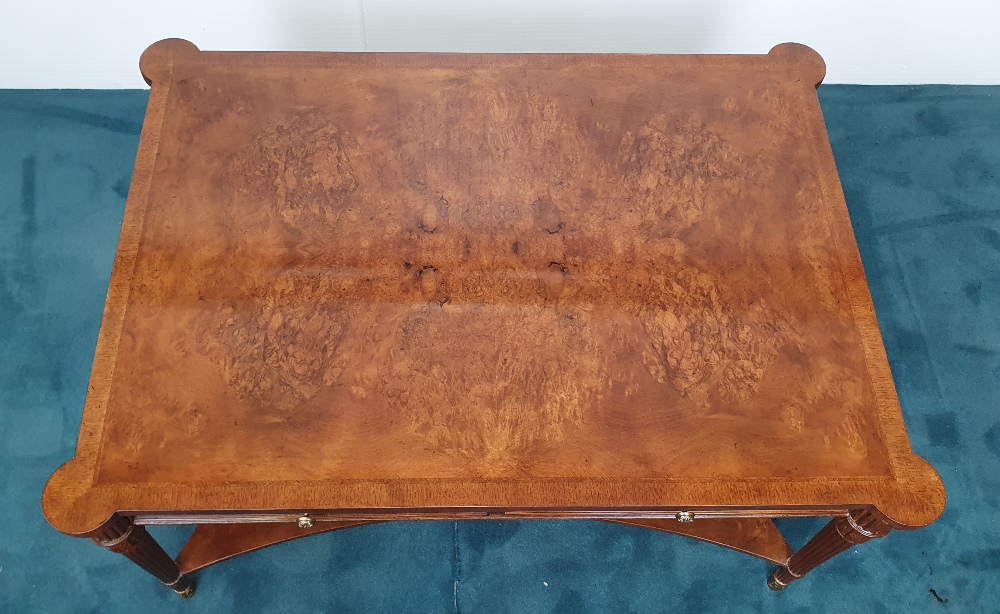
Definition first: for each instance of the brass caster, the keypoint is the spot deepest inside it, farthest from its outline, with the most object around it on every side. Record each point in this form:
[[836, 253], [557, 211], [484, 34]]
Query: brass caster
[[184, 587], [774, 584]]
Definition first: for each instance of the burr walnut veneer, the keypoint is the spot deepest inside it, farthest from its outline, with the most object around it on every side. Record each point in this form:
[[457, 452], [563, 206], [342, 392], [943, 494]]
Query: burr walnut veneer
[[354, 288]]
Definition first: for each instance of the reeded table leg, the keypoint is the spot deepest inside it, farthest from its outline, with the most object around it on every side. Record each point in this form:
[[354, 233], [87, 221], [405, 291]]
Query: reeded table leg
[[841, 534], [133, 542]]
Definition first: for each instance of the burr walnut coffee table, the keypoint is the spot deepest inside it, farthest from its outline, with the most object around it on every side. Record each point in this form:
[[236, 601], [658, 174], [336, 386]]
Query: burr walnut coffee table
[[356, 288]]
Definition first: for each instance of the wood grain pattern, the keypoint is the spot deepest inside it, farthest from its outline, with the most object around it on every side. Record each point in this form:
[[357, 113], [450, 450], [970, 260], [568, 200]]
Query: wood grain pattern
[[583, 246], [214, 543], [754, 536], [422, 285]]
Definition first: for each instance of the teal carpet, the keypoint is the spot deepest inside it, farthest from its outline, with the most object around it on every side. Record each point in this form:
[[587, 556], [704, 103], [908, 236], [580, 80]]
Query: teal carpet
[[921, 170]]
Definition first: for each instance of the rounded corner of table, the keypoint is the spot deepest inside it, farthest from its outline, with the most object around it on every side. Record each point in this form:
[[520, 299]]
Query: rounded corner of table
[[801, 58], [67, 504], [918, 496], [157, 60]]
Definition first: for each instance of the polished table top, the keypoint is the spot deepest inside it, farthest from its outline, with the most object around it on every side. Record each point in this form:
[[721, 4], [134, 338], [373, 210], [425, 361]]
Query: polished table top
[[530, 283]]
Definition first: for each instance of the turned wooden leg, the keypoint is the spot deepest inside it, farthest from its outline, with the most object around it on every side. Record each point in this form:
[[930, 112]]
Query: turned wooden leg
[[841, 534], [133, 542]]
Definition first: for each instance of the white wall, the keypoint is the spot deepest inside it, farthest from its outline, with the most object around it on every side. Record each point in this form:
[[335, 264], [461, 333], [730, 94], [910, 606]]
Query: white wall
[[96, 43]]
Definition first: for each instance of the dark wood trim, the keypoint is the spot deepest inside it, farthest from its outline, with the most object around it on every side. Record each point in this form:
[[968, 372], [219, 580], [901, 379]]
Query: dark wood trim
[[843, 533], [479, 513], [120, 534]]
